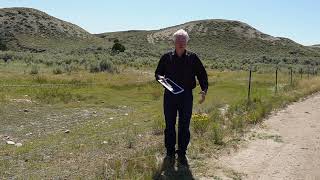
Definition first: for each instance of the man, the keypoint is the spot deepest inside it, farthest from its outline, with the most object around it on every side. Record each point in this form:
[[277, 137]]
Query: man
[[181, 66]]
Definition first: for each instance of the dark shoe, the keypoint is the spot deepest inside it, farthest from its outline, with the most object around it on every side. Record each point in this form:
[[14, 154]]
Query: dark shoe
[[171, 154], [182, 160], [167, 168], [168, 161]]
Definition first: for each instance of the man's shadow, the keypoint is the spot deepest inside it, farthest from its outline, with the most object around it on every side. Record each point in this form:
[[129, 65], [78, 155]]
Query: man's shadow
[[168, 170]]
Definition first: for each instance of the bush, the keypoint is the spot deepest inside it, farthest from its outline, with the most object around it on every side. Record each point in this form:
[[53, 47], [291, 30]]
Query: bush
[[200, 123], [3, 46], [217, 134], [34, 69], [107, 65], [238, 122], [117, 47], [57, 70], [104, 66], [94, 68]]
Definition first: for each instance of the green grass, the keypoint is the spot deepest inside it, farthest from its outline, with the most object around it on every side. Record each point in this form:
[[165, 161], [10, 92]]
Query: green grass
[[116, 121]]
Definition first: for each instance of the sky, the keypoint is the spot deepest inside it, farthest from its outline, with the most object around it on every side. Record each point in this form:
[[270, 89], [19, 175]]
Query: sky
[[294, 19]]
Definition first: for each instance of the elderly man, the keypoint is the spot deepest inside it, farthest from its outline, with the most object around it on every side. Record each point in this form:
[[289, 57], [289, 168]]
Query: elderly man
[[181, 66]]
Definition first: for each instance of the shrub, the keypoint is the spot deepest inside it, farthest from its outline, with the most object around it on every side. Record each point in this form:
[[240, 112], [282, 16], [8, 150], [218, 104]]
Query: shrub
[[238, 123], [216, 134], [94, 68], [34, 69], [57, 70], [3, 46], [200, 123], [107, 65], [104, 66], [117, 47]]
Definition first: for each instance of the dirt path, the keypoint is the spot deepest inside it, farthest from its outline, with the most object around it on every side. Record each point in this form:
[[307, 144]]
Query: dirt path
[[285, 146]]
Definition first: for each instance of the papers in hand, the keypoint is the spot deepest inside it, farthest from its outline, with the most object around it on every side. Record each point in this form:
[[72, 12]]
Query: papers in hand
[[170, 85]]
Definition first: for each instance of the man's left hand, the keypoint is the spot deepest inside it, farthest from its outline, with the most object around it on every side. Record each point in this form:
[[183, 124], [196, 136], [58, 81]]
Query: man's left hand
[[203, 97]]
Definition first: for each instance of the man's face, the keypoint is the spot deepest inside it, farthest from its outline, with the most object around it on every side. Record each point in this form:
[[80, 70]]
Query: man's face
[[180, 43]]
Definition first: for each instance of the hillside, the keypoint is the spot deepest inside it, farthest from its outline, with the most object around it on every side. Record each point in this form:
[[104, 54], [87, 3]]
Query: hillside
[[216, 38], [31, 21], [30, 29], [218, 42]]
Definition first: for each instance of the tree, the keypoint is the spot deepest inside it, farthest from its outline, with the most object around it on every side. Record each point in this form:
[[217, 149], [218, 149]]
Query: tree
[[117, 47]]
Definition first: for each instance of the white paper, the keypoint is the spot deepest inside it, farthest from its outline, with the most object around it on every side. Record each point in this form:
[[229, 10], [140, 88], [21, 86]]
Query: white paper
[[170, 85]]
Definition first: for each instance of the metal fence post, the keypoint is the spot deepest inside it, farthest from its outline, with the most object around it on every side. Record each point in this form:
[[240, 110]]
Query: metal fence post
[[291, 83], [276, 89], [249, 84]]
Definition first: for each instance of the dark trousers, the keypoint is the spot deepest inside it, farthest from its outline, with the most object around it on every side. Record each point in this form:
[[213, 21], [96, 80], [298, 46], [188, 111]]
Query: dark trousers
[[180, 104]]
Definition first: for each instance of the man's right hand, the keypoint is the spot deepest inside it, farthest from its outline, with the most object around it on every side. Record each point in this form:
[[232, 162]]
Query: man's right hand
[[161, 77], [203, 97]]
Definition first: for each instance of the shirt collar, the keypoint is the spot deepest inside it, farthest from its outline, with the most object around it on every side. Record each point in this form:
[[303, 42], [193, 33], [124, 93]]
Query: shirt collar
[[183, 55]]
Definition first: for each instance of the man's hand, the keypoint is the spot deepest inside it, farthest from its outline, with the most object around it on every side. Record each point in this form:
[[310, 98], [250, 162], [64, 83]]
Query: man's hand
[[161, 77], [203, 97]]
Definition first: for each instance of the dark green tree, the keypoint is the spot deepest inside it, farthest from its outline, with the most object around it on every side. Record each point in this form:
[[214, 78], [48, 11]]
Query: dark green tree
[[117, 46]]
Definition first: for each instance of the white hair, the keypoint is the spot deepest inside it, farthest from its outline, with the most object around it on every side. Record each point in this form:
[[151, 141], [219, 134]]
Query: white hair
[[181, 32]]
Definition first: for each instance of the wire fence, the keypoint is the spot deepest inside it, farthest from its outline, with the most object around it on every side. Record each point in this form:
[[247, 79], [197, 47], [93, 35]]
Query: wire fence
[[293, 72]]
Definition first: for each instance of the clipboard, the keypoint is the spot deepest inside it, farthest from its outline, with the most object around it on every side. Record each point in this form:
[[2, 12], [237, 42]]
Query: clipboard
[[170, 85]]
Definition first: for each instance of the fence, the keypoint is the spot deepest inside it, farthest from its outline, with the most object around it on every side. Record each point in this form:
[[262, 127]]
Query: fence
[[308, 71]]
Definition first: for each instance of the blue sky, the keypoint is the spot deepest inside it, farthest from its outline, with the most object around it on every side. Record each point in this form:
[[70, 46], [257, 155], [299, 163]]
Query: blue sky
[[294, 19]]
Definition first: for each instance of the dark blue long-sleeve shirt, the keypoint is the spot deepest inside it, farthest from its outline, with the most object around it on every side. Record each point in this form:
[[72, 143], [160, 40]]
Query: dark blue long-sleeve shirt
[[183, 70]]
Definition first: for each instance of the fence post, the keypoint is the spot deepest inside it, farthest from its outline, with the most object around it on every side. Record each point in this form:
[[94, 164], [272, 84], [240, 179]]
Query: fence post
[[291, 83], [301, 71], [276, 89], [249, 84]]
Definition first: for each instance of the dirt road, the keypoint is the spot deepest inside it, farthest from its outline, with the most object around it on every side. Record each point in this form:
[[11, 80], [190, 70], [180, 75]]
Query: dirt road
[[285, 146]]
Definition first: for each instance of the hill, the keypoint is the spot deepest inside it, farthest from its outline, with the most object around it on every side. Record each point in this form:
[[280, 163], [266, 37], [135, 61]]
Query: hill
[[31, 29], [221, 44], [218, 42]]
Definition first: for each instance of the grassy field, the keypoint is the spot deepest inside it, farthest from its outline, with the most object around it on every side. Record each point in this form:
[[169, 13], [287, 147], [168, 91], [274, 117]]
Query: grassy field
[[78, 109], [101, 125]]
